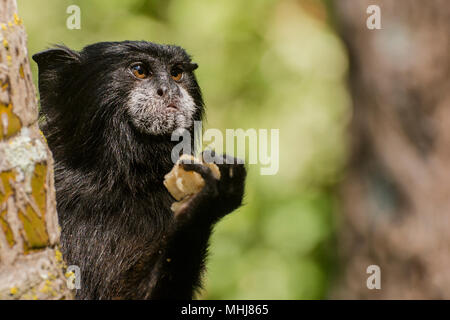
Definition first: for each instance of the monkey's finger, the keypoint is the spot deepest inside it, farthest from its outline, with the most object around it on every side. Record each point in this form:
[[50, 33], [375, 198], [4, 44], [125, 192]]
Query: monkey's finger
[[204, 171], [210, 187], [210, 156], [232, 167]]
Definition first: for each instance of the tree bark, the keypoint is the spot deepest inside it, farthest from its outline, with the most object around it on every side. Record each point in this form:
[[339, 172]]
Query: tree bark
[[31, 266], [397, 191]]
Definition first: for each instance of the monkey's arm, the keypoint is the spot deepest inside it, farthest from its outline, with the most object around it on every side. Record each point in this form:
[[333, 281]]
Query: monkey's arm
[[182, 257]]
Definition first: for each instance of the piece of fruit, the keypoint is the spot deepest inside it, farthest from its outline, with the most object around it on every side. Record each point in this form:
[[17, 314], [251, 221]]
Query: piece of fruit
[[182, 184]]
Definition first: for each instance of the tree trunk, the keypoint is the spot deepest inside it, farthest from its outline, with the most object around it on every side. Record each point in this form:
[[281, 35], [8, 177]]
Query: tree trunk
[[31, 266], [397, 192]]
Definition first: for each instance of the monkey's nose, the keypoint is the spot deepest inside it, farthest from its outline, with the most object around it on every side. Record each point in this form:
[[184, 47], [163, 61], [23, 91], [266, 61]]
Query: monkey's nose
[[162, 91]]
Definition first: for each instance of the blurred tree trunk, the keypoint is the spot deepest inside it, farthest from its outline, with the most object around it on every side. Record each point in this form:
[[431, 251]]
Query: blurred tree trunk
[[31, 267], [397, 191]]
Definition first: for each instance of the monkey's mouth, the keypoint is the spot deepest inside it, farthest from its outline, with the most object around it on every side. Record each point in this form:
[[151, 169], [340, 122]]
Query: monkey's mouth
[[172, 108]]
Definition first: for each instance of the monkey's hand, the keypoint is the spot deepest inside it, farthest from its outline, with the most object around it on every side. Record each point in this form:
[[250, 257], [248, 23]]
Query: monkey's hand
[[218, 197], [183, 249]]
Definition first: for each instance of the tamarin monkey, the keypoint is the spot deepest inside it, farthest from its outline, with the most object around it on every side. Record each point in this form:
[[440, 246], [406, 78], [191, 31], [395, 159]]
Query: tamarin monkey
[[108, 114]]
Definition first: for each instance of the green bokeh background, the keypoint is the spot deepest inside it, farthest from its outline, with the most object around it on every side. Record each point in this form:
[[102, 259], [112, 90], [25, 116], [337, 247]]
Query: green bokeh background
[[264, 64]]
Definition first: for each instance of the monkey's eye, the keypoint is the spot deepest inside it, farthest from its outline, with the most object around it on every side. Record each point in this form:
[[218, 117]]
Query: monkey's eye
[[176, 73], [139, 71]]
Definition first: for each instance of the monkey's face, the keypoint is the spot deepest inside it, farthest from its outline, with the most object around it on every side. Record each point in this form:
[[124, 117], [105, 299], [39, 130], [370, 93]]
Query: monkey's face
[[151, 87], [158, 101]]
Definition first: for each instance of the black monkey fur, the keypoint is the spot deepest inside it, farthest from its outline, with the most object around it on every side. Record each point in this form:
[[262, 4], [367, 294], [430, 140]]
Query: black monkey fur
[[110, 162]]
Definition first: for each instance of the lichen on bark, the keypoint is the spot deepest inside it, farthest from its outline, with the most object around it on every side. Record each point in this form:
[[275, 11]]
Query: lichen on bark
[[31, 265]]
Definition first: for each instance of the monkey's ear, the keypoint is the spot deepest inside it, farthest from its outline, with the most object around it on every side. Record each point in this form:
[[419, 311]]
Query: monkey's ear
[[194, 66], [56, 57], [56, 68]]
